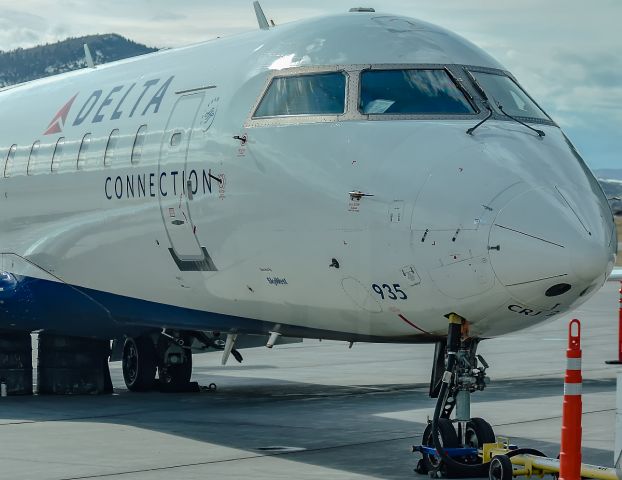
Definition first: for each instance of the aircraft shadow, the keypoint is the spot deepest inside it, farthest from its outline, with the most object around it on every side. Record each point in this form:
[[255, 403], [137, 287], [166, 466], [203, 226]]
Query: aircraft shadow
[[339, 427]]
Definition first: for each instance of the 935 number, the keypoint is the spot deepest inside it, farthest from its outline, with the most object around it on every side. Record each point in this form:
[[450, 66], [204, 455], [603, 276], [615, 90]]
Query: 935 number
[[390, 292]]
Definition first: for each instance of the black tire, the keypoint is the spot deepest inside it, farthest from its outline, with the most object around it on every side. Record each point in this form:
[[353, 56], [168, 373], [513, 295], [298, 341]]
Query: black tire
[[69, 381], [479, 432], [18, 381], [58, 343], [16, 360], [176, 378], [86, 359], [139, 364], [500, 468], [11, 342], [449, 439]]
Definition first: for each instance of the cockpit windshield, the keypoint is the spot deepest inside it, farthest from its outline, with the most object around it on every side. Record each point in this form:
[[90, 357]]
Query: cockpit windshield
[[339, 93], [309, 94], [502, 90], [411, 92]]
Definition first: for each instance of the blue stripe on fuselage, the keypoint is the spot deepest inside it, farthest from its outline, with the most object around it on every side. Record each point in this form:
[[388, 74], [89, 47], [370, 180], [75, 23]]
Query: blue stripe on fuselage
[[35, 304]]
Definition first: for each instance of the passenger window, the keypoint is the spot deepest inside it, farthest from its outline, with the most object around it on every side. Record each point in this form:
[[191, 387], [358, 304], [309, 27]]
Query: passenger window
[[10, 158], [175, 139], [139, 141], [504, 91], [111, 146], [313, 94], [58, 153], [32, 158], [411, 92], [84, 150]]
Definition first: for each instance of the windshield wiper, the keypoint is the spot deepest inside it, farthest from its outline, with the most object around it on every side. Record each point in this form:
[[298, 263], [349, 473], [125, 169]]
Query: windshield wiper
[[539, 132], [486, 102], [481, 91], [478, 87], [459, 84], [472, 129]]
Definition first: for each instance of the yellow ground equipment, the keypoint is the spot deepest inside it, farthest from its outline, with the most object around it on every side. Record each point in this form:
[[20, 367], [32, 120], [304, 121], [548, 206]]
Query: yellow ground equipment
[[505, 466]]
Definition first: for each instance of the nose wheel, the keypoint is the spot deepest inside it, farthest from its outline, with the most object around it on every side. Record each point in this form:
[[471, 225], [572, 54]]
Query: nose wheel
[[448, 437], [478, 432]]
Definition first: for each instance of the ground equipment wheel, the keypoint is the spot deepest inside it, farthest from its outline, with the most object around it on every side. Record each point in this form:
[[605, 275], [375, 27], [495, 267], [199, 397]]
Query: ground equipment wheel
[[448, 437], [500, 468], [139, 363], [479, 432], [176, 378]]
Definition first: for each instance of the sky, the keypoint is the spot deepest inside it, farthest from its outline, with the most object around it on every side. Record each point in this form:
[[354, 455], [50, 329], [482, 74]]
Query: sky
[[566, 53]]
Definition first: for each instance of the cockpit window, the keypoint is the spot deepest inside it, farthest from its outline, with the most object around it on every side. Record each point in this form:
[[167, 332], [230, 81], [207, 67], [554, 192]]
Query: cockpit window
[[502, 90], [312, 94], [411, 92]]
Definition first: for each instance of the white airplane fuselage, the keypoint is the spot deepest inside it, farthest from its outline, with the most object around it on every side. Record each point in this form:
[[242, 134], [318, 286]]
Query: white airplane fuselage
[[338, 226]]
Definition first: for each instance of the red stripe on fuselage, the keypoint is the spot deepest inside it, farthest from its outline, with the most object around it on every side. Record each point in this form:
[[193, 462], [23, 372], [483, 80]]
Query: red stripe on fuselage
[[412, 324]]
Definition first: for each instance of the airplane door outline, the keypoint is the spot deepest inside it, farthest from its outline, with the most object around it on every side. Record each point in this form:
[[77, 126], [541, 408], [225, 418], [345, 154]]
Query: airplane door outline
[[185, 249]]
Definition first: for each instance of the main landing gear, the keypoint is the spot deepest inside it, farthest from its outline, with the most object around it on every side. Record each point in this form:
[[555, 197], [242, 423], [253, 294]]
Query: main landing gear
[[168, 355], [458, 371]]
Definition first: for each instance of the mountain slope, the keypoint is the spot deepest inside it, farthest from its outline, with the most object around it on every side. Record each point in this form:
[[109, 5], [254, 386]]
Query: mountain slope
[[23, 65]]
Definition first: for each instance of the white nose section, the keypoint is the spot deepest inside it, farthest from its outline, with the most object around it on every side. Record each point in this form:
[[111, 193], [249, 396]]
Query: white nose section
[[544, 252]]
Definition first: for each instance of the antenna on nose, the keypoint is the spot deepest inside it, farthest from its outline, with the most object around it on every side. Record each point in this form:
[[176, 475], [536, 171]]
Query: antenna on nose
[[261, 17]]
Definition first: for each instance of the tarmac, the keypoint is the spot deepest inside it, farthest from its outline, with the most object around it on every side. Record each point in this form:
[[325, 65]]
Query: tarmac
[[312, 410]]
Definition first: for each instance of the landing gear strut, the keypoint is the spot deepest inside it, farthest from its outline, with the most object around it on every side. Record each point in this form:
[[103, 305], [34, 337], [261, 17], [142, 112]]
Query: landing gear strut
[[464, 373]]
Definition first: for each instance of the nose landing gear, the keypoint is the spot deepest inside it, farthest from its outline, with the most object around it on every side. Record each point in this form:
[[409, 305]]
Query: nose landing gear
[[464, 373]]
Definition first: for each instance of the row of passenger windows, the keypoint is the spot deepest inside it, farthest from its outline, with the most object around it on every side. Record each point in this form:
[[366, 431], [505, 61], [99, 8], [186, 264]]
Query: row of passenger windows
[[49, 158], [412, 91]]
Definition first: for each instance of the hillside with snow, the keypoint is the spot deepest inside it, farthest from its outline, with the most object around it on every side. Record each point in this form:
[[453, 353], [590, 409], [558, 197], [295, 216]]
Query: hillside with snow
[[25, 64]]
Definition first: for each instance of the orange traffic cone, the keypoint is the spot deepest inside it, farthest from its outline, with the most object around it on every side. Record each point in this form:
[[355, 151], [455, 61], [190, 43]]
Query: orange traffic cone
[[570, 454], [619, 360]]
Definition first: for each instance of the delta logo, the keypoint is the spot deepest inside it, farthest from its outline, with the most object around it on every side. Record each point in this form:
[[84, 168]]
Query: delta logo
[[58, 122], [122, 101]]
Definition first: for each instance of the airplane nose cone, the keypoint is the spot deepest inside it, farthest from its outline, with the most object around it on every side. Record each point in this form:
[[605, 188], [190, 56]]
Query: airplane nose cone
[[546, 251]]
